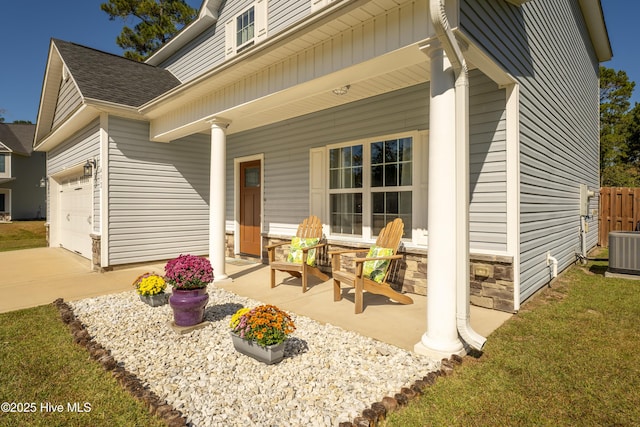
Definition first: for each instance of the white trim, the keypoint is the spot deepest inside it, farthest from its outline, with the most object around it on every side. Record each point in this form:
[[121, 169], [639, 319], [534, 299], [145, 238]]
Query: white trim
[[104, 190], [236, 198], [7, 202], [7, 165], [513, 184]]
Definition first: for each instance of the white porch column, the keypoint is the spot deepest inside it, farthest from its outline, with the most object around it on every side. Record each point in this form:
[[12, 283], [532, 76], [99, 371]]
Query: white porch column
[[441, 338], [217, 194]]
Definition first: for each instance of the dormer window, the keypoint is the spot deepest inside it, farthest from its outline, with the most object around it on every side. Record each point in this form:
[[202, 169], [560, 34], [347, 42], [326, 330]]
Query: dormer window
[[245, 24], [246, 28]]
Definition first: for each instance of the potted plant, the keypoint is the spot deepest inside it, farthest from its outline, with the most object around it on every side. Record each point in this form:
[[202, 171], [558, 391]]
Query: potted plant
[[261, 332], [150, 287], [189, 276]]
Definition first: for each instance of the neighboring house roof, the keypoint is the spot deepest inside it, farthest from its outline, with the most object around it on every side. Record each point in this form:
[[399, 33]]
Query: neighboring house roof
[[17, 137], [111, 78]]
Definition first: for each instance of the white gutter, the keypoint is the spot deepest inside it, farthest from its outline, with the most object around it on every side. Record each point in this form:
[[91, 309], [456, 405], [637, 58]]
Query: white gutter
[[454, 54]]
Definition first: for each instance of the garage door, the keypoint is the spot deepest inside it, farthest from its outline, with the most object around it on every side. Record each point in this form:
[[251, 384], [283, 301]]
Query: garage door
[[75, 215]]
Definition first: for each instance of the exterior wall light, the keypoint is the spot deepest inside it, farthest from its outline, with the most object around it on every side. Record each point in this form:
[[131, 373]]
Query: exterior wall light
[[89, 167]]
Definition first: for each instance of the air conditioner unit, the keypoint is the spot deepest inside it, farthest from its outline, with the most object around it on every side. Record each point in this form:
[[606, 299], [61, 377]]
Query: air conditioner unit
[[624, 252]]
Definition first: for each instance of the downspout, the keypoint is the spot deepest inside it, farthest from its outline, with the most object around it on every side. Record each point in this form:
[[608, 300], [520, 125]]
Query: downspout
[[454, 54], [554, 265]]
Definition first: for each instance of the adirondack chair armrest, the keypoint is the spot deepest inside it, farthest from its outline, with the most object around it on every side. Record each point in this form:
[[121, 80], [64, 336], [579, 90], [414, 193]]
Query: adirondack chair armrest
[[271, 249], [335, 256], [305, 251], [363, 260], [360, 262], [308, 248], [347, 251], [275, 245]]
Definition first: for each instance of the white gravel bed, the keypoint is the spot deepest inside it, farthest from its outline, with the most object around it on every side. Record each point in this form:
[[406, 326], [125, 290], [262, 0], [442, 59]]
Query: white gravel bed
[[329, 375]]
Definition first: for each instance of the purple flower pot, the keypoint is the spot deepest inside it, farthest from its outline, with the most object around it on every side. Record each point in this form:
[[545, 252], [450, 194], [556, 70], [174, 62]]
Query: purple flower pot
[[188, 306]]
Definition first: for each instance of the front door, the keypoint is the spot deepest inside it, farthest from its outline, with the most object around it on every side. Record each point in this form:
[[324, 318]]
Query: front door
[[250, 207]]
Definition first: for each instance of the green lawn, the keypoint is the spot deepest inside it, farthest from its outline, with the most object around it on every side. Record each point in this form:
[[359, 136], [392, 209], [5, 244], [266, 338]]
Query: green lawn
[[570, 357], [22, 235], [42, 368]]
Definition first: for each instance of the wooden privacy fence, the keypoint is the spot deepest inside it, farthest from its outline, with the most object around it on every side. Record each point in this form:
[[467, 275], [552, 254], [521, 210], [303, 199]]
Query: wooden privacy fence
[[619, 211]]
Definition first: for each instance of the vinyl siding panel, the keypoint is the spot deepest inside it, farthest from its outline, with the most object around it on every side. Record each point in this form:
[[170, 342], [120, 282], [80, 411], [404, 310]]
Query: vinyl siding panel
[[76, 151], [487, 165], [69, 99], [546, 47], [158, 195]]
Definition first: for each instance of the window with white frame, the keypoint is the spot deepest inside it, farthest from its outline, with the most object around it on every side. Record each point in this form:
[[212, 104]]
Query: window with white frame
[[245, 24], [370, 184], [5, 165], [247, 28]]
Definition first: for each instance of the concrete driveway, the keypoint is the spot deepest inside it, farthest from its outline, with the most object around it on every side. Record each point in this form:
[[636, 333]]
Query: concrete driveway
[[33, 277]]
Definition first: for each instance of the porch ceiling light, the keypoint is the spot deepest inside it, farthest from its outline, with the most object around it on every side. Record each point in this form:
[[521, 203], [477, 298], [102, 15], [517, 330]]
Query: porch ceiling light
[[341, 90], [88, 167]]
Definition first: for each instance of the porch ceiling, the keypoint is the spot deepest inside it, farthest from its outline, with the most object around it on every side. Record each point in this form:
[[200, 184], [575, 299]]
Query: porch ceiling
[[373, 78]]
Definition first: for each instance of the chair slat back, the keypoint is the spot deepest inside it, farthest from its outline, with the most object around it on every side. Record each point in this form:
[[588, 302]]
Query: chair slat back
[[309, 228], [391, 235]]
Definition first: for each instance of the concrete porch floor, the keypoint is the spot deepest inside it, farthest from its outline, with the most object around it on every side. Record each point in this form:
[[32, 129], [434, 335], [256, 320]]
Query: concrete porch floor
[[33, 277], [382, 319]]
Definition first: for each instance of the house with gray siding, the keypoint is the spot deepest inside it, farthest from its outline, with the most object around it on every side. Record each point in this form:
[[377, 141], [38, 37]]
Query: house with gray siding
[[476, 122], [22, 174]]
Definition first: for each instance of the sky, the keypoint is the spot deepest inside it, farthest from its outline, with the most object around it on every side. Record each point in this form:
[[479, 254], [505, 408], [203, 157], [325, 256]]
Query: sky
[[26, 28]]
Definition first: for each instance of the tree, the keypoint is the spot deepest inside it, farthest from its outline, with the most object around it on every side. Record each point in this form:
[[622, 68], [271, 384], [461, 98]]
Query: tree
[[615, 127], [633, 138], [159, 21], [1, 113]]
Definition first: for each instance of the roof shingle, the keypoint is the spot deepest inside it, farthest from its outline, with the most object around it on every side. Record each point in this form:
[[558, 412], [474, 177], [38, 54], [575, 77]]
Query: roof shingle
[[18, 137], [107, 77]]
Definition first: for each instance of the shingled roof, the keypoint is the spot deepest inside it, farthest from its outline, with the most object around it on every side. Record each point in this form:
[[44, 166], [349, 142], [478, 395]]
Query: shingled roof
[[107, 77], [17, 137]]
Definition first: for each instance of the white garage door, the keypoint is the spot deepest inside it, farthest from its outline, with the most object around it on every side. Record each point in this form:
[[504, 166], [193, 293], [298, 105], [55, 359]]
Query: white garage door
[[75, 215]]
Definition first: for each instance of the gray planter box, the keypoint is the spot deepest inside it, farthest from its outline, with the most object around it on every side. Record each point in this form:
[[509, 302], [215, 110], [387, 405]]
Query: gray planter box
[[269, 355]]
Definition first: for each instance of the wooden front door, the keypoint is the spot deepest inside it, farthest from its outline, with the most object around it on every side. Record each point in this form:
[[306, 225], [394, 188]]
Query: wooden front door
[[250, 206]]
